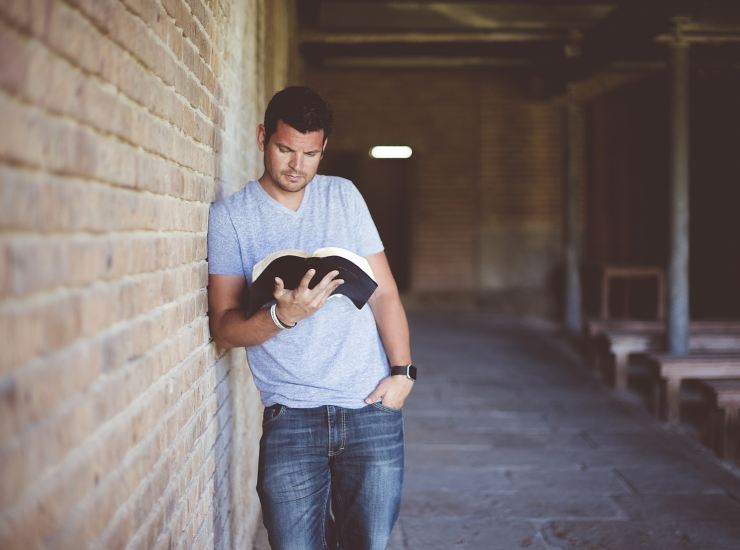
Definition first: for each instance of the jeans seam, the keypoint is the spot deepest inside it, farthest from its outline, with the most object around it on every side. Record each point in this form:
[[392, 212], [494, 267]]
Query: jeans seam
[[323, 518], [329, 436], [344, 431], [338, 526]]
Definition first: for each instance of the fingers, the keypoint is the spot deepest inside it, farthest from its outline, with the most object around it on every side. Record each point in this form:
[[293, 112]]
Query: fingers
[[325, 288], [377, 393], [330, 281], [304, 301], [303, 285], [326, 281], [328, 284], [373, 397], [392, 391]]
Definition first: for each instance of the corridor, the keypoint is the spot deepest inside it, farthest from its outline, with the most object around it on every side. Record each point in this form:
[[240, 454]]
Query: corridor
[[512, 443]]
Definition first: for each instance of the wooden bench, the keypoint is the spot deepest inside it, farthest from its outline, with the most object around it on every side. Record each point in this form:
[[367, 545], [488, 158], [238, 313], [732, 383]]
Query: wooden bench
[[625, 338], [671, 370], [620, 338], [621, 346], [723, 424], [594, 327]]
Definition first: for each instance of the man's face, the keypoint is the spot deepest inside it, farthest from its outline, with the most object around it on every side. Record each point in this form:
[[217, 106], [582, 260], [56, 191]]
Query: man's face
[[291, 158]]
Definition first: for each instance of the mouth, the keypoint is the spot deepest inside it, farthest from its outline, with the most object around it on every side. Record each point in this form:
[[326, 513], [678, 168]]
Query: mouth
[[293, 177]]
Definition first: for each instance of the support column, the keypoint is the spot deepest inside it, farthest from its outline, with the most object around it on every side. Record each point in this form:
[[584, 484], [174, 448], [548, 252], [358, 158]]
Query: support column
[[678, 268], [575, 143]]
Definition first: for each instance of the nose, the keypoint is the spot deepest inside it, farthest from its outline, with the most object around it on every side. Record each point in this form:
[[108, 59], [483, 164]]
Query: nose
[[296, 161]]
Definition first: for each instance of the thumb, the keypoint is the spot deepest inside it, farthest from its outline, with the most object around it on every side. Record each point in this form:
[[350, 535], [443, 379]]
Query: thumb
[[279, 288], [376, 395]]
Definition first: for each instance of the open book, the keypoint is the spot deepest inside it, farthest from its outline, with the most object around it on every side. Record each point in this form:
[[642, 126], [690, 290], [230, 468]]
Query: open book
[[291, 265]]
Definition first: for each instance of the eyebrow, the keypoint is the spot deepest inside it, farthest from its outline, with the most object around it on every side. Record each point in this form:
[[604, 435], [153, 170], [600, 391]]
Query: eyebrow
[[283, 146]]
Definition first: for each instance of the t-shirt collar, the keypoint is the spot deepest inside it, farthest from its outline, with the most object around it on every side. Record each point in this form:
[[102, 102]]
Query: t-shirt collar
[[281, 207]]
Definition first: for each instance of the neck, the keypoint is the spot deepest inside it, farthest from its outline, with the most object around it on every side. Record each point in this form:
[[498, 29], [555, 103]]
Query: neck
[[288, 199]]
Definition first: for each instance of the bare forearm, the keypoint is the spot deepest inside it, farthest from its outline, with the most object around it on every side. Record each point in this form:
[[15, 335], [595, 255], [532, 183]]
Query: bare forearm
[[393, 327], [234, 329], [230, 326]]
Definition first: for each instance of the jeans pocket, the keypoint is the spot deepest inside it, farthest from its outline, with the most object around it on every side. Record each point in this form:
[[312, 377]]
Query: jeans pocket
[[379, 405], [272, 413]]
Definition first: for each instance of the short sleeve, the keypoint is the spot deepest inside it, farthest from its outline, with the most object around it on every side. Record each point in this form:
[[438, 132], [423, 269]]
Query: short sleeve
[[368, 239], [224, 254]]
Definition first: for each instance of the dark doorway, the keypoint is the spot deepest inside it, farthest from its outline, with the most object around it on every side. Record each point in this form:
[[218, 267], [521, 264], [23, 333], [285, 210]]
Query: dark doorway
[[386, 186]]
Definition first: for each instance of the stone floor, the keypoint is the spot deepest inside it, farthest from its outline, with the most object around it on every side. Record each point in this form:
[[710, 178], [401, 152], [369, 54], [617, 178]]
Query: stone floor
[[512, 443]]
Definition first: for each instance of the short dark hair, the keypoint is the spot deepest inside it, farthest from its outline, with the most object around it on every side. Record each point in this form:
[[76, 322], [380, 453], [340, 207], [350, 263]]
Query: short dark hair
[[298, 107]]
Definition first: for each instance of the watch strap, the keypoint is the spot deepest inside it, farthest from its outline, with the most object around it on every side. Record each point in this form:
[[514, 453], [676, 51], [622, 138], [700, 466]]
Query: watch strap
[[409, 371]]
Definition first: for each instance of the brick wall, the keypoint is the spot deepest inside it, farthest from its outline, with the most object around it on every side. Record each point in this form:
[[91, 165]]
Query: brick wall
[[521, 192], [486, 200], [120, 422]]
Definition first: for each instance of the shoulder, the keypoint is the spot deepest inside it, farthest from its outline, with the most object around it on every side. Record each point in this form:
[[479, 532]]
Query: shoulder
[[230, 205], [332, 182], [336, 187]]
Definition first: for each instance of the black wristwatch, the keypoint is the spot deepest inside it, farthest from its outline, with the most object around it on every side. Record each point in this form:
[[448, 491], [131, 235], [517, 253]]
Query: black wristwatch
[[409, 371]]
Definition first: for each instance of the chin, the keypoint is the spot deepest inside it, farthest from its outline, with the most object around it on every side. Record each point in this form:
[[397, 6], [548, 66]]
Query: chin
[[293, 187]]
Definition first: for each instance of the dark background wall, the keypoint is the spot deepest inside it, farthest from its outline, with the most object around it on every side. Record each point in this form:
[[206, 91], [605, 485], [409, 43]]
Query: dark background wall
[[715, 193], [474, 216], [481, 194], [627, 215]]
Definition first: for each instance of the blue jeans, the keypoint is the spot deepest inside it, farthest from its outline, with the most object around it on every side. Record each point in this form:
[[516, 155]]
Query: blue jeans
[[330, 477]]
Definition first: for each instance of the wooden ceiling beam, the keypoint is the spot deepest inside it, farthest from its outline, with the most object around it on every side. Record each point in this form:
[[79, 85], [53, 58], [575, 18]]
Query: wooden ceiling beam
[[423, 62], [446, 16], [700, 38], [512, 35]]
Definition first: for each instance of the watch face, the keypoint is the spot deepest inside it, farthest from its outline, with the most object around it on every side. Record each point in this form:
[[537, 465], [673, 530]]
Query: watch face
[[411, 373]]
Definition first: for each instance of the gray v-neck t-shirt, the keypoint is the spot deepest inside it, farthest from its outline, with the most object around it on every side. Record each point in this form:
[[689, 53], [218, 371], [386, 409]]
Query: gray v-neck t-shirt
[[335, 356]]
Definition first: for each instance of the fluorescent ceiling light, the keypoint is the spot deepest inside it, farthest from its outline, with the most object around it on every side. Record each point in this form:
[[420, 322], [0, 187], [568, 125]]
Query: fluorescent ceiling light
[[391, 152]]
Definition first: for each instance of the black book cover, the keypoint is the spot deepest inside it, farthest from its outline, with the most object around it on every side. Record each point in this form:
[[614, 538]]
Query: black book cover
[[291, 265]]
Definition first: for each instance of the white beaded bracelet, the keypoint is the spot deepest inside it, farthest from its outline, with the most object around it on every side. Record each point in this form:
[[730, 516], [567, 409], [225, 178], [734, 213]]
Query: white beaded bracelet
[[275, 319]]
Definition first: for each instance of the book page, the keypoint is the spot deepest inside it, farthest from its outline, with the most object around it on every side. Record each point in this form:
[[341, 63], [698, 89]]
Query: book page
[[356, 259]]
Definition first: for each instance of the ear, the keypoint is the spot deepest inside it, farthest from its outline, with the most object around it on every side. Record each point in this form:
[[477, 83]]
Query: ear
[[323, 149], [261, 137]]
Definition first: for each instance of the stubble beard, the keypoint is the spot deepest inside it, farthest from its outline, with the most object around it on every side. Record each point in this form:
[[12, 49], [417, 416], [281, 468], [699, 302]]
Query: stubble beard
[[285, 185]]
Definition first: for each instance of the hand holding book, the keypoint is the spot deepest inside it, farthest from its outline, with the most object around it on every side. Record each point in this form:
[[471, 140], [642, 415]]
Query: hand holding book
[[301, 302], [291, 267]]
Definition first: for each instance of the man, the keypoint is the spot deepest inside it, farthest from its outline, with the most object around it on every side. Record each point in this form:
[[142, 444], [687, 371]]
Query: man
[[331, 453]]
